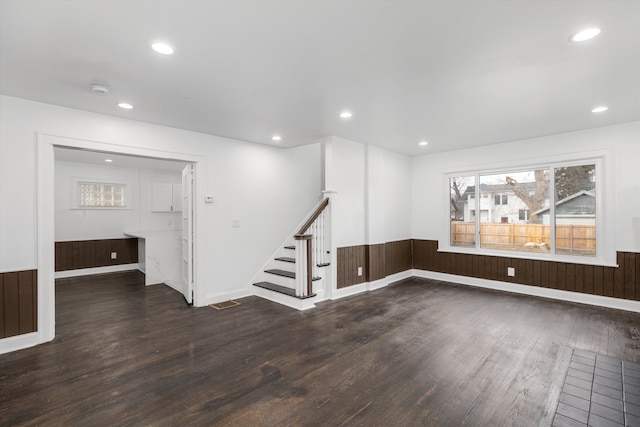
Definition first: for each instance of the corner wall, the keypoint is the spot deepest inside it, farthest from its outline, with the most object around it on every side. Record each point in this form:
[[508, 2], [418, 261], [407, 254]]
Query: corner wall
[[370, 216], [267, 189]]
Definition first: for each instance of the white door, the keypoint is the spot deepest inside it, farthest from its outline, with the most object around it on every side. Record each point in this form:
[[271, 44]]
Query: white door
[[187, 233]]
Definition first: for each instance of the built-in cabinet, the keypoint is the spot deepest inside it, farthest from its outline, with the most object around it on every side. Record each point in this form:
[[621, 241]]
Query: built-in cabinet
[[166, 197]]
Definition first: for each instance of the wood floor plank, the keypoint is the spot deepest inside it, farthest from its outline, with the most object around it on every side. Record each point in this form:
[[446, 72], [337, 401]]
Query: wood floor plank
[[419, 352]]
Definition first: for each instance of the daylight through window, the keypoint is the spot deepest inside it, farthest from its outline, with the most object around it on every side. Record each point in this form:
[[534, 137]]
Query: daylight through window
[[101, 195], [549, 210]]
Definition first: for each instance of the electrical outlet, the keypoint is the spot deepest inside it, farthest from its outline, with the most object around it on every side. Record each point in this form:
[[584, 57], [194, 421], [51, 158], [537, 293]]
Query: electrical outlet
[[359, 271], [511, 271], [114, 255]]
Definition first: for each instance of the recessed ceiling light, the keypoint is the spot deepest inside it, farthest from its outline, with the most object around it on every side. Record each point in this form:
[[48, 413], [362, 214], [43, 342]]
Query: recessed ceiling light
[[276, 137], [423, 143], [162, 48], [600, 109], [108, 160], [583, 35], [346, 114], [125, 105]]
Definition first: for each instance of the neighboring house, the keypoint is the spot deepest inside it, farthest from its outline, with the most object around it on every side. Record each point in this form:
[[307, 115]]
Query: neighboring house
[[577, 209], [498, 203]]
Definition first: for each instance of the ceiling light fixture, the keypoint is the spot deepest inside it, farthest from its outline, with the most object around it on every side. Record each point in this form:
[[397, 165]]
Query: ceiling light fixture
[[125, 106], [276, 137], [587, 34], [423, 143], [346, 114], [99, 89], [162, 48], [600, 109], [108, 160]]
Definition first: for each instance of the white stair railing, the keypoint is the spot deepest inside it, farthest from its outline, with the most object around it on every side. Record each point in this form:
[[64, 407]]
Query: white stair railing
[[311, 249]]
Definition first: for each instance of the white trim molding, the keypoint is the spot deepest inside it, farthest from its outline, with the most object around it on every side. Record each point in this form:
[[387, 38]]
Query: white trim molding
[[577, 297]]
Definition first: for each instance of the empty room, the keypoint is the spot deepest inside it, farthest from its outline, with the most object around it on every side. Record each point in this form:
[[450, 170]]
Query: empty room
[[319, 213]]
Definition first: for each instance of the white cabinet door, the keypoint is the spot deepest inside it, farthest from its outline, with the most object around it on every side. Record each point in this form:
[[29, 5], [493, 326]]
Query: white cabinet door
[[161, 197], [176, 200], [166, 197]]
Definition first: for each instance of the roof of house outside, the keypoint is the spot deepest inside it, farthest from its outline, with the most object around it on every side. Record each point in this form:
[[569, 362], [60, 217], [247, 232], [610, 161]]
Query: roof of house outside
[[497, 188], [580, 203]]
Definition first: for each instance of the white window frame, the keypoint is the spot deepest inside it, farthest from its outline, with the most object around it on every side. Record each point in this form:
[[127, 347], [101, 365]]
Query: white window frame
[[605, 229], [75, 193]]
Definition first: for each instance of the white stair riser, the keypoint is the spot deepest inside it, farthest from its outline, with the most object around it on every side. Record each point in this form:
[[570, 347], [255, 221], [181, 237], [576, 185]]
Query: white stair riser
[[286, 266], [280, 280]]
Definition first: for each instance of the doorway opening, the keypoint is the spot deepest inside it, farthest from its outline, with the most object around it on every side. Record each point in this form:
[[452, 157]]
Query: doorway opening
[[178, 225]]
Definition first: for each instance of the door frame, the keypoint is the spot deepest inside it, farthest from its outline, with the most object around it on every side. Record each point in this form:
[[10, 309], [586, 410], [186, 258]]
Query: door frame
[[46, 220]]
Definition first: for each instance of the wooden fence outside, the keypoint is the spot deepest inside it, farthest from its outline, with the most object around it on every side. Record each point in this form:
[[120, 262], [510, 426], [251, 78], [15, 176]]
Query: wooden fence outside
[[580, 239]]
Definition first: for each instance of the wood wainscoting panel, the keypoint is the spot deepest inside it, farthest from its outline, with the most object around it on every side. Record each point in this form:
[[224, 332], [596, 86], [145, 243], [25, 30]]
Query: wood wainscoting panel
[[618, 282], [376, 262], [18, 303], [398, 256], [74, 255], [349, 259]]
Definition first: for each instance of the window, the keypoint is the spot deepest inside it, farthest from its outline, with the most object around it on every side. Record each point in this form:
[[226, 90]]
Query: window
[[501, 199], [463, 226], [98, 195], [87, 193], [543, 211]]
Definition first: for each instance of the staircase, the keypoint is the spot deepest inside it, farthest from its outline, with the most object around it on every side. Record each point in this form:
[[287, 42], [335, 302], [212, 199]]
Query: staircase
[[297, 273]]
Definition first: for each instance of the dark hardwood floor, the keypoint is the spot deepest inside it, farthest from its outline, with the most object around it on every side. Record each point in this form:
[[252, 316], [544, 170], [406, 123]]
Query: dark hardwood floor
[[417, 353]]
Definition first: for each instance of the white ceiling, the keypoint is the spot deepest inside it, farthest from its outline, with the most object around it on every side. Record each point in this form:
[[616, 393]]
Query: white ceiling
[[117, 160], [456, 73]]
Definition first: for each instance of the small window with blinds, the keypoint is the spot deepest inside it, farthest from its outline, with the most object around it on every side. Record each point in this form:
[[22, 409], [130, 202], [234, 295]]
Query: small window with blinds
[[102, 195]]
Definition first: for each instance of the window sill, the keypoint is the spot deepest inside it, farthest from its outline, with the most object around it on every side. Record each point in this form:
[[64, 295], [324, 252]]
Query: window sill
[[531, 255]]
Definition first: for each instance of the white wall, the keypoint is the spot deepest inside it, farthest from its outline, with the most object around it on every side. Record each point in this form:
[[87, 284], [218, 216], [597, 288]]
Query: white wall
[[269, 189], [397, 190], [87, 224], [347, 177], [373, 199], [429, 204]]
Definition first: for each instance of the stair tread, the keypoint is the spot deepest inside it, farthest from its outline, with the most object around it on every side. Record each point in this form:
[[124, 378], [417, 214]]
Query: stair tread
[[281, 289], [280, 272], [286, 273], [286, 259]]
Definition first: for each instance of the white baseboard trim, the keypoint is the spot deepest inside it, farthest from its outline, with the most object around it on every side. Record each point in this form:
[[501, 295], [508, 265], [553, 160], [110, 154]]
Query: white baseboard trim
[[96, 270], [370, 286], [399, 276], [292, 302], [224, 296], [19, 342], [578, 297], [349, 291]]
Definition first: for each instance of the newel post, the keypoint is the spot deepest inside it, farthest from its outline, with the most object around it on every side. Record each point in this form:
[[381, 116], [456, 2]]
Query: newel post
[[304, 276]]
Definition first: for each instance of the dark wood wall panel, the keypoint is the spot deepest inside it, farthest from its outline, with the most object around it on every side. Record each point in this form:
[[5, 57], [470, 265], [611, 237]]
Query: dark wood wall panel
[[621, 282], [398, 256], [79, 254], [18, 303], [349, 259], [376, 262]]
